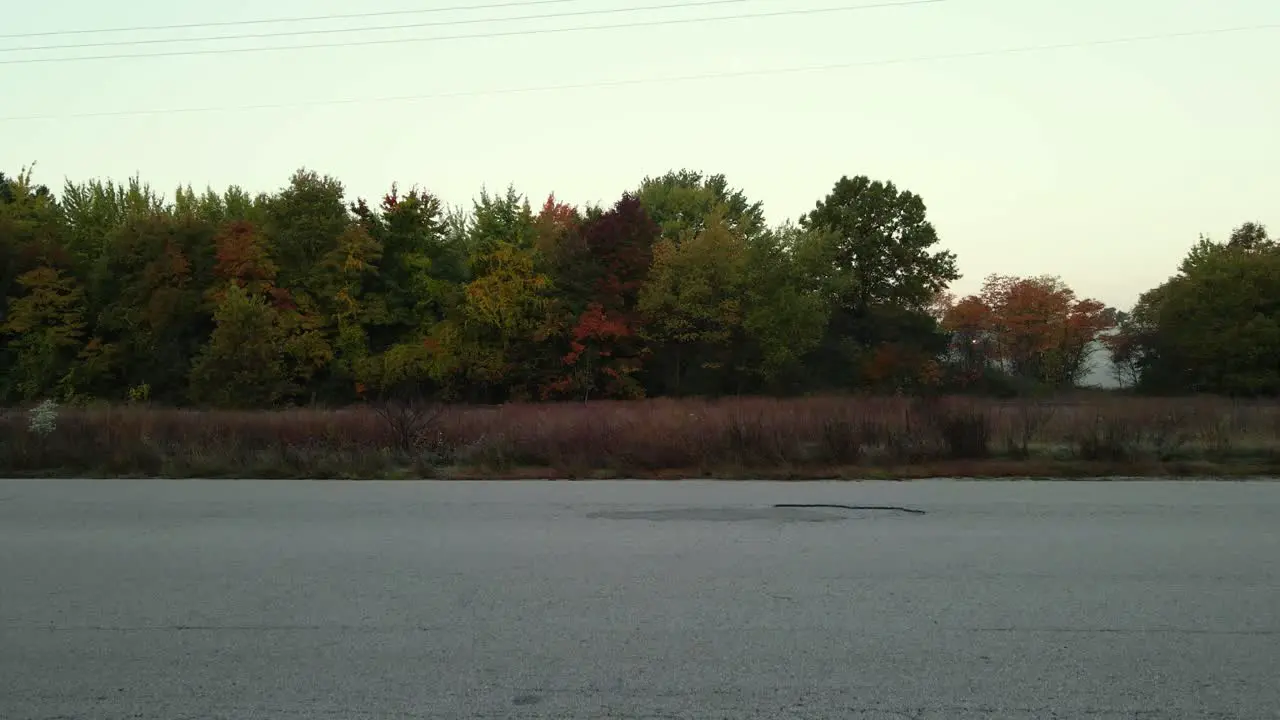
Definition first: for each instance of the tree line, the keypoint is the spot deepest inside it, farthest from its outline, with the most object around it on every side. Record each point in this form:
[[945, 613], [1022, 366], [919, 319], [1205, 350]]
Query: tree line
[[110, 292]]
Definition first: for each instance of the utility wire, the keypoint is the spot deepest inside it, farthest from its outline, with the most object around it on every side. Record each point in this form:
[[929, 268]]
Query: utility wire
[[374, 28], [268, 21], [474, 36], [1027, 49]]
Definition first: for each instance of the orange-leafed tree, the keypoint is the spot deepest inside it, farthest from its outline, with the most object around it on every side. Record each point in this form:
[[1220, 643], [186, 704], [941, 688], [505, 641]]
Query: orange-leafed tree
[[244, 260], [1034, 327], [557, 240], [900, 367], [973, 348], [254, 318]]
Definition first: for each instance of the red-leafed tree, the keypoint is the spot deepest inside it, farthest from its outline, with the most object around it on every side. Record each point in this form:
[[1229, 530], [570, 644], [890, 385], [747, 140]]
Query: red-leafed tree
[[558, 214], [603, 265], [591, 360], [620, 244]]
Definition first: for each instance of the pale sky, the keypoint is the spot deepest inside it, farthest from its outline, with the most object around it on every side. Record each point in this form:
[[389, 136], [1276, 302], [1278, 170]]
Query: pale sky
[[1101, 164]]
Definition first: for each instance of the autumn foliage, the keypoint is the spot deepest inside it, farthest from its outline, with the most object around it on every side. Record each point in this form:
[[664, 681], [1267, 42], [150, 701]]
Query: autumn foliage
[[304, 297], [1035, 328]]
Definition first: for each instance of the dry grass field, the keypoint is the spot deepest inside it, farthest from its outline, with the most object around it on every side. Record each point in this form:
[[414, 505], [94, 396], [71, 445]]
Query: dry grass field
[[664, 438]]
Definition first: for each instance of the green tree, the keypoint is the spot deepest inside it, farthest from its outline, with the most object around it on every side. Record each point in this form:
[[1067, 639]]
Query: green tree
[[350, 304], [693, 309], [880, 236], [420, 272], [503, 309], [1212, 328], [486, 342], [244, 262], [885, 274], [498, 220], [94, 210], [32, 227], [787, 306], [41, 304], [147, 299], [303, 224], [243, 365], [683, 202], [46, 328]]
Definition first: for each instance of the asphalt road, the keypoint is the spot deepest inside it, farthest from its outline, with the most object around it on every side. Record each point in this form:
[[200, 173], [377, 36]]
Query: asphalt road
[[334, 600]]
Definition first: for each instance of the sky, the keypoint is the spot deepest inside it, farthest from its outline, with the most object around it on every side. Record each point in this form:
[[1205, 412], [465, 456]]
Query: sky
[[1099, 163]]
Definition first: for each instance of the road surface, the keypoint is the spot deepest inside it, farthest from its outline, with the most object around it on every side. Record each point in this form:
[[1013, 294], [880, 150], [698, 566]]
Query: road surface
[[699, 600]]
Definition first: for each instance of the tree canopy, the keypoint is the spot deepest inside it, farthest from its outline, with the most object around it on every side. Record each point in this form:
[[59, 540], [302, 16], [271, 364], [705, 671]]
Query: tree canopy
[[111, 292], [1214, 327]]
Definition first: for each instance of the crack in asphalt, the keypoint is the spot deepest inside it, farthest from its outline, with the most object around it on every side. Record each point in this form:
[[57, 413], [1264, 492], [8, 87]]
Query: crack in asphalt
[[893, 508]]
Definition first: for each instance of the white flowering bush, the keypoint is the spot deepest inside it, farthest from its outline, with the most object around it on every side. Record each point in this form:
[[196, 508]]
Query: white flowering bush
[[44, 418]]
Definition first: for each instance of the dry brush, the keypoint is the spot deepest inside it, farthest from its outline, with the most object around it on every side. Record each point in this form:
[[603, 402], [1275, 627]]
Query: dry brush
[[741, 437]]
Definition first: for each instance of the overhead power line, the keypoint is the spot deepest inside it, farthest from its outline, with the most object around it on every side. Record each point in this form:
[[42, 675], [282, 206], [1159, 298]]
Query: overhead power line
[[296, 18], [474, 36], [376, 28], [1027, 49]]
